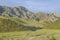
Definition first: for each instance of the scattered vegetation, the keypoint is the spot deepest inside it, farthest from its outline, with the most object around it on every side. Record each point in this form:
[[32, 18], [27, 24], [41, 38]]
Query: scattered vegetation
[[53, 25], [14, 24]]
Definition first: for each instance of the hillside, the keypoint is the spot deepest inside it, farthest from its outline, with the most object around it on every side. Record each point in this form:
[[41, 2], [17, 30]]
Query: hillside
[[18, 23], [44, 34], [53, 25], [19, 18], [18, 11], [9, 24], [22, 12]]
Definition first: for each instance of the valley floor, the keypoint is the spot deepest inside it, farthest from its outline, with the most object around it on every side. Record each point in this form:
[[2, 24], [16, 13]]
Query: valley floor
[[43, 34]]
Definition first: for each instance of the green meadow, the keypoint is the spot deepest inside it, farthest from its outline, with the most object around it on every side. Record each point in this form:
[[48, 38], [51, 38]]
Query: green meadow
[[22, 29], [43, 34]]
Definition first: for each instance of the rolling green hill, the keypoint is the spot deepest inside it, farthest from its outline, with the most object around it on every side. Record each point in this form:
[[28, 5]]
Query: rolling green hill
[[18, 23], [8, 24], [53, 25]]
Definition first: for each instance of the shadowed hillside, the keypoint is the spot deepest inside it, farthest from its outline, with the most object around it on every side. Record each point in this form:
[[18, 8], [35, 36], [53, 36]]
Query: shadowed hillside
[[10, 25], [19, 18]]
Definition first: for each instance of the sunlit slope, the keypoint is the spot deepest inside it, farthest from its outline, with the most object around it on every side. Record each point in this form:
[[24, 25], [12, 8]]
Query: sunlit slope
[[44, 34], [53, 25], [8, 24], [26, 22]]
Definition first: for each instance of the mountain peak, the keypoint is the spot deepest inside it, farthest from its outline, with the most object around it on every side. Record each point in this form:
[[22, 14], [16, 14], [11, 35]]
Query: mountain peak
[[22, 12]]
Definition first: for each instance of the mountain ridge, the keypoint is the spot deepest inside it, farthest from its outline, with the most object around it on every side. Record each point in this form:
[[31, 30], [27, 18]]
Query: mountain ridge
[[22, 12], [20, 19]]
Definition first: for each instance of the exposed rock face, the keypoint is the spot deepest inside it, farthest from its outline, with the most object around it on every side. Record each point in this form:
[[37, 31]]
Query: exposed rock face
[[22, 12]]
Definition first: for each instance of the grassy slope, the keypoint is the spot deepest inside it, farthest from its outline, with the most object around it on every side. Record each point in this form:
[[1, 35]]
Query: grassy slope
[[16, 24], [44, 34], [7, 25], [54, 25]]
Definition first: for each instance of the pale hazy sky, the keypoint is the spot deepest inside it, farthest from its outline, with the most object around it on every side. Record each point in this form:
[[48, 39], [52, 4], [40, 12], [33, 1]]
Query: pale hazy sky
[[35, 5]]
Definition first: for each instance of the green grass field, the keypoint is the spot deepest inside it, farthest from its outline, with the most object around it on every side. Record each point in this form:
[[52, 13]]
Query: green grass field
[[22, 29], [43, 34]]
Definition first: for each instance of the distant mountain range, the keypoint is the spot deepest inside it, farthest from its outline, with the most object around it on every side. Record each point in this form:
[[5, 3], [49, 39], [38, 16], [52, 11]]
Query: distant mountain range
[[20, 19], [22, 12]]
